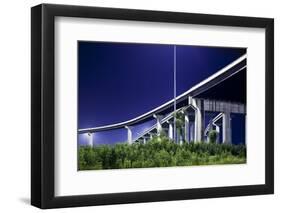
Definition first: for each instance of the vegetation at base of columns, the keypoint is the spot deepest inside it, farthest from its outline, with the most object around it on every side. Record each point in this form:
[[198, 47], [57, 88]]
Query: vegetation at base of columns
[[159, 152], [180, 123], [213, 134]]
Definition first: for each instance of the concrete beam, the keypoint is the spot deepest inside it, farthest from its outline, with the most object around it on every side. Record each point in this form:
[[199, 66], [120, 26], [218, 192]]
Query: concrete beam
[[220, 106]]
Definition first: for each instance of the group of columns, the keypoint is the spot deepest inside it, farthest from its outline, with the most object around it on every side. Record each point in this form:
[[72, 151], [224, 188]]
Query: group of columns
[[194, 115], [194, 120], [193, 123], [222, 124]]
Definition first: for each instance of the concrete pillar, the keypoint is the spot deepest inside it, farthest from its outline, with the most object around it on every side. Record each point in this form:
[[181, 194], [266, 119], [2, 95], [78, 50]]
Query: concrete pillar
[[129, 135], [90, 139], [207, 132], [189, 100], [202, 120], [158, 123], [217, 128], [226, 127], [198, 104], [180, 139], [147, 138], [171, 130], [186, 128], [192, 131], [144, 140]]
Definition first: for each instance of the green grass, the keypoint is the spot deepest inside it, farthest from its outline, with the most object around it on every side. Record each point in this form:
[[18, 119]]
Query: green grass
[[159, 152]]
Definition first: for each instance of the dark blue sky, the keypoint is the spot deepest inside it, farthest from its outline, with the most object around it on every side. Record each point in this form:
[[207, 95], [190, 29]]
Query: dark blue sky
[[119, 81], [122, 81]]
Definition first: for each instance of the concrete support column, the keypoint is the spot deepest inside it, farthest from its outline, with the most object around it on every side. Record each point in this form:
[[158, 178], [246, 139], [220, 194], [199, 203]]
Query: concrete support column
[[199, 119], [217, 128], [192, 131], [207, 133], [186, 128], [226, 127], [189, 100], [158, 123], [150, 136], [202, 120], [180, 139], [129, 135], [90, 139], [171, 130], [144, 140], [147, 138]]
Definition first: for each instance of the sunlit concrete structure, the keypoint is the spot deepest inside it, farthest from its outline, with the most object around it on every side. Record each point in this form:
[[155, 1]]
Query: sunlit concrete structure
[[129, 134], [194, 106], [90, 139]]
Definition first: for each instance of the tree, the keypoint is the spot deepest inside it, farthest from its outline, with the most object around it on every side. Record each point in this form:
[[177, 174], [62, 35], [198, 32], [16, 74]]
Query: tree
[[213, 134], [180, 123]]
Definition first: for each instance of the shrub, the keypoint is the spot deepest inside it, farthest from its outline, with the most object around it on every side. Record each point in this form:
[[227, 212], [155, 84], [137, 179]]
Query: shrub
[[213, 134]]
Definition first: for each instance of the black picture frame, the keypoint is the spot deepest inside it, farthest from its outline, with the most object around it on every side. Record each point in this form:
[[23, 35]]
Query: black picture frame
[[43, 113]]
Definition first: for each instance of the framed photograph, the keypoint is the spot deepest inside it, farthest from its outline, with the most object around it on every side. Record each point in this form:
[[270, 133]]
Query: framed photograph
[[139, 106]]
